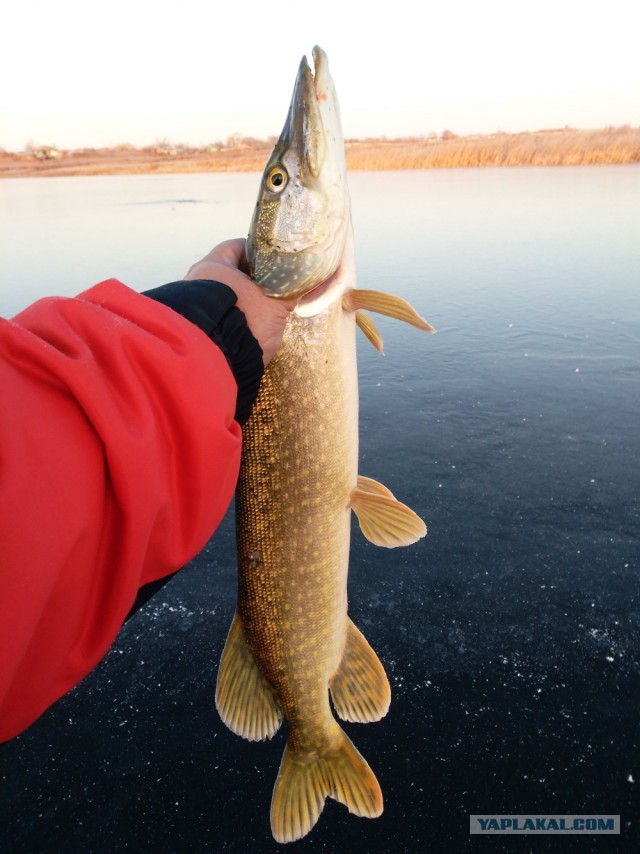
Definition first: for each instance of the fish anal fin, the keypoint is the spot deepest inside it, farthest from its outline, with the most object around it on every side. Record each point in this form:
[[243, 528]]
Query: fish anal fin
[[385, 521], [359, 688], [305, 780], [388, 304], [370, 330], [245, 699]]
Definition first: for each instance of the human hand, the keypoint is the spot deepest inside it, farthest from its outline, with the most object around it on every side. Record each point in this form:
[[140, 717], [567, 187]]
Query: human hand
[[266, 316]]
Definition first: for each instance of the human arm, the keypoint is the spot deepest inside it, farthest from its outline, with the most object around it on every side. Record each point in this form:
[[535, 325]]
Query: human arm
[[119, 454]]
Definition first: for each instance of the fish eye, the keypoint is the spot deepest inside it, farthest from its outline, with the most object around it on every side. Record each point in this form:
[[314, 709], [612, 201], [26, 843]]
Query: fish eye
[[277, 179]]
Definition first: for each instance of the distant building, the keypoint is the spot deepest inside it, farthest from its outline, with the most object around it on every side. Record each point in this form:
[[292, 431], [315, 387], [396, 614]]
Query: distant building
[[46, 152]]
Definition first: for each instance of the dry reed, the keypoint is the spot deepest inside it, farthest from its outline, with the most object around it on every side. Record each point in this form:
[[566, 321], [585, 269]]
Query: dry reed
[[544, 148]]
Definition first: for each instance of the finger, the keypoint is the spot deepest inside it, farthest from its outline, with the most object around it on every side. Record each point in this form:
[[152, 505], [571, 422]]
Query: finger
[[229, 252]]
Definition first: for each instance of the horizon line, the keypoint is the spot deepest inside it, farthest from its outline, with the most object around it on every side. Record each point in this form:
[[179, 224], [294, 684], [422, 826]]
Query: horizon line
[[238, 139]]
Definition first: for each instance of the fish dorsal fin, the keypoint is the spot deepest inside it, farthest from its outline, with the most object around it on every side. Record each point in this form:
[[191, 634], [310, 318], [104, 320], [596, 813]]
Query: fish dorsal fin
[[383, 519], [306, 779], [359, 688], [381, 303], [370, 330], [245, 700]]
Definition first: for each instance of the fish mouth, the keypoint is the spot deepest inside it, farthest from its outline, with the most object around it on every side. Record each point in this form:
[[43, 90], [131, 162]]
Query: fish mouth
[[304, 129]]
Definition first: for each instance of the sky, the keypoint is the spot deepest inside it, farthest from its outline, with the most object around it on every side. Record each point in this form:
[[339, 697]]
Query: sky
[[76, 74]]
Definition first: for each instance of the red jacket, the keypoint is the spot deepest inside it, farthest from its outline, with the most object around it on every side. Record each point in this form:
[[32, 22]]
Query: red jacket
[[119, 454]]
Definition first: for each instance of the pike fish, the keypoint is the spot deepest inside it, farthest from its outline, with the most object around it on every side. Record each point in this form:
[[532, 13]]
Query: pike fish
[[291, 643]]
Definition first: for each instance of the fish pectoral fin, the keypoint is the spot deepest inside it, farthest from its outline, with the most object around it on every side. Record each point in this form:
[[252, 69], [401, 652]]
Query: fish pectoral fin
[[383, 519], [382, 303], [370, 330], [306, 780], [359, 688], [245, 699]]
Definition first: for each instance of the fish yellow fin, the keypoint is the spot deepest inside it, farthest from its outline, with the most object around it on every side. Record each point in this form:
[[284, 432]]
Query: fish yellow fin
[[369, 328], [305, 780], [383, 519], [385, 304], [368, 484], [245, 700], [359, 688]]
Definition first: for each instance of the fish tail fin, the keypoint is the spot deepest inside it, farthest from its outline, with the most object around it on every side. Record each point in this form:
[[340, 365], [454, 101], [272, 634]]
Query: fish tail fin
[[298, 795], [305, 780]]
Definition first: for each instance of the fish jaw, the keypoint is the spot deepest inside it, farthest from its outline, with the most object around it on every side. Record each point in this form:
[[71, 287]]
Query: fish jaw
[[335, 288], [300, 221]]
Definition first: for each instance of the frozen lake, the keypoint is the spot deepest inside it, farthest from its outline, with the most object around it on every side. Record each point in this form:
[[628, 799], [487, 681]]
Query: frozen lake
[[511, 634]]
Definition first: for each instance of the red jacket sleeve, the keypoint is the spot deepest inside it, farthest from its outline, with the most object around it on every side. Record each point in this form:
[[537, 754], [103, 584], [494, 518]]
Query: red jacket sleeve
[[119, 454]]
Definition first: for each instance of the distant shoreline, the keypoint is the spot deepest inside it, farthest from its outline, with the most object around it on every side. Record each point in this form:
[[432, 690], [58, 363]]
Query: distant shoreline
[[563, 147]]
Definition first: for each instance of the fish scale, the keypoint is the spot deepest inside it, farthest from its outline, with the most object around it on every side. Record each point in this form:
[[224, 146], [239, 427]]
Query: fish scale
[[293, 508], [291, 644]]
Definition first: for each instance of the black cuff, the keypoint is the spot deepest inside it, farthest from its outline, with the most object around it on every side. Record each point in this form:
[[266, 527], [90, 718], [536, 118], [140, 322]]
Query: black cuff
[[212, 307]]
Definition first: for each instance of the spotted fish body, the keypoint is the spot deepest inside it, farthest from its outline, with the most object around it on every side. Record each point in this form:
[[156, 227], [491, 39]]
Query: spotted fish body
[[291, 643]]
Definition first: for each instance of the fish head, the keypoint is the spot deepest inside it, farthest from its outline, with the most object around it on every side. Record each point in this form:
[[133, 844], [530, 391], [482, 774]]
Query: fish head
[[302, 215]]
